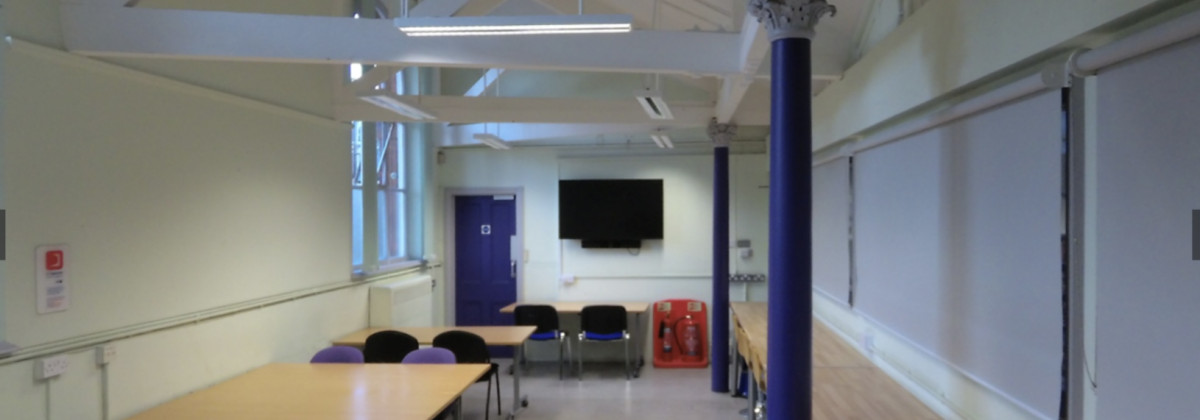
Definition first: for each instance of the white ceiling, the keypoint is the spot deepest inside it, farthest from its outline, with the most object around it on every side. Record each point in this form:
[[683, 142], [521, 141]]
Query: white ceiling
[[713, 60]]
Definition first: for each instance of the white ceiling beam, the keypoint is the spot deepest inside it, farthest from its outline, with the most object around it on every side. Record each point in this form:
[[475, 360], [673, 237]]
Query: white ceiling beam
[[437, 8], [462, 135], [463, 109], [753, 49], [486, 81], [703, 12], [188, 34]]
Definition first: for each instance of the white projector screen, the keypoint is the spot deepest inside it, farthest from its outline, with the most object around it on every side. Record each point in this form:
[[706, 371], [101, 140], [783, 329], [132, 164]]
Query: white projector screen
[[957, 245], [1147, 285], [831, 229]]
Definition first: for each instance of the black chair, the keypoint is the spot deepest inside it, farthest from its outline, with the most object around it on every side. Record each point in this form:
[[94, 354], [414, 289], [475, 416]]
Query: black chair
[[388, 346], [469, 347], [545, 318], [603, 323]]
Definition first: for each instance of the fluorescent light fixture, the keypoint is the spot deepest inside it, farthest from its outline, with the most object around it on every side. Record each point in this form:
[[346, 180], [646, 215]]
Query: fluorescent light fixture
[[396, 103], [492, 141], [663, 141], [514, 25], [654, 105]]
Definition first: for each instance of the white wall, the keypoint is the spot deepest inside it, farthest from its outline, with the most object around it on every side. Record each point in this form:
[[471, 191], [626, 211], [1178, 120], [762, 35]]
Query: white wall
[[679, 266]]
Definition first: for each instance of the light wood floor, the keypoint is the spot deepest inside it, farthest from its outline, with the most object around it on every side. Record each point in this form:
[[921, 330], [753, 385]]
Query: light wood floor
[[848, 386], [845, 386]]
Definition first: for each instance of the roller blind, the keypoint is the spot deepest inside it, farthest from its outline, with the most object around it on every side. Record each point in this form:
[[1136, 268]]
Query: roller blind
[[1147, 155], [831, 229], [957, 245]]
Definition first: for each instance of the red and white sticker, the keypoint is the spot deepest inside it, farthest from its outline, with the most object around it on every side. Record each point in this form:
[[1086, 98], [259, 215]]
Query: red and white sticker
[[52, 263]]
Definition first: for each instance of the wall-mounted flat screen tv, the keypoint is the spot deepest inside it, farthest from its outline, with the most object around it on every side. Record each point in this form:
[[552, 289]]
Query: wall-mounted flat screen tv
[[610, 213]]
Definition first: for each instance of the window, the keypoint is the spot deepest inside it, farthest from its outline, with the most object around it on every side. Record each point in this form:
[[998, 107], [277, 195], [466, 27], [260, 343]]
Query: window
[[383, 182]]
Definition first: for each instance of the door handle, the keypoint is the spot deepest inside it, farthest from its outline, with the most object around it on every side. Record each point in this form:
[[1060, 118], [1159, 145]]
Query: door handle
[[512, 268]]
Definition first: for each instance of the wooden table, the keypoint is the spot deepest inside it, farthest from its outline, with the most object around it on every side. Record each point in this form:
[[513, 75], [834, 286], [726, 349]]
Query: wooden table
[[495, 335], [750, 333], [635, 308], [326, 391]]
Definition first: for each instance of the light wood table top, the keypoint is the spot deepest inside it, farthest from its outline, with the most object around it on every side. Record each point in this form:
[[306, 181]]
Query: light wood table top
[[326, 391], [576, 307], [494, 335]]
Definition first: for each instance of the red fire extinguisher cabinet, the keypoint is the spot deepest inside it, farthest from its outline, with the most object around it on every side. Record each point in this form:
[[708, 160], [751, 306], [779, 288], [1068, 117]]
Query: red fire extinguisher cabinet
[[680, 331]]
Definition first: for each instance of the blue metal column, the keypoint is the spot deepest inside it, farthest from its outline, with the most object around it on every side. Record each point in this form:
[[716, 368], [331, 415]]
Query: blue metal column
[[789, 262], [720, 300]]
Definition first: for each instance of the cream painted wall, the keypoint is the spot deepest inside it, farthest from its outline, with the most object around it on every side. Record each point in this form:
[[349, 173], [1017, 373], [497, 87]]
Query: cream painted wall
[[950, 44], [175, 200]]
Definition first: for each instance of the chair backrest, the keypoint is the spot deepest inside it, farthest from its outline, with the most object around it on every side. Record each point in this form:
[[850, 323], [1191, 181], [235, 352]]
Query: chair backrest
[[468, 347], [388, 347], [430, 356], [545, 317], [338, 354], [602, 319]]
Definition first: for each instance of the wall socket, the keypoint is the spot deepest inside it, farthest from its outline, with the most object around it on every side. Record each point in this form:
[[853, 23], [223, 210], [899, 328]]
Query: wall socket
[[51, 366], [105, 354]]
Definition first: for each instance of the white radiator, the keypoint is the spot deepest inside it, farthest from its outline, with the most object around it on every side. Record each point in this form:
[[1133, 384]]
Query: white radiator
[[406, 302]]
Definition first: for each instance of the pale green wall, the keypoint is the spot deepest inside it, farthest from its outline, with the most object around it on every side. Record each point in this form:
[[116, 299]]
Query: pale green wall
[[950, 44]]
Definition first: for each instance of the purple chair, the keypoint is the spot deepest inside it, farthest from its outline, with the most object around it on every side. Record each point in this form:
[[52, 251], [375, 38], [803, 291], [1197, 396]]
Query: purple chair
[[338, 354], [436, 356], [430, 355]]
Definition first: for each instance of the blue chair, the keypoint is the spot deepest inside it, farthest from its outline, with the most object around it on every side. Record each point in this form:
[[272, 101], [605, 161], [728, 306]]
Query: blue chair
[[338, 354], [545, 318], [388, 346], [603, 323]]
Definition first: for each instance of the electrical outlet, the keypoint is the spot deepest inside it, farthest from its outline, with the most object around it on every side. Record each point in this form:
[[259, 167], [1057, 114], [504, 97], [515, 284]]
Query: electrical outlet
[[105, 354], [52, 366]]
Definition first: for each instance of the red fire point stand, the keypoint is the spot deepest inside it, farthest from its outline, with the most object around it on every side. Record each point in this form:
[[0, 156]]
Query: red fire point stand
[[680, 331]]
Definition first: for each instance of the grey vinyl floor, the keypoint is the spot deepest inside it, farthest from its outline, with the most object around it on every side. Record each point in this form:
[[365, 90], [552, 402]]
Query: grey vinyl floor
[[605, 394]]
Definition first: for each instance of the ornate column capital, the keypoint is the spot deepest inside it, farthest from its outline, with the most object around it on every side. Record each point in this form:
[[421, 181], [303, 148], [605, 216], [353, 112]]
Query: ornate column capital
[[721, 134], [790, 18]]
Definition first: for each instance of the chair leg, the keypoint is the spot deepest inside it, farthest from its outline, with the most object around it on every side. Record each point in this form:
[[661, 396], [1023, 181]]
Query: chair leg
[[627, 377], [579, 358], [561, 340], [488, 405], [499, 407]]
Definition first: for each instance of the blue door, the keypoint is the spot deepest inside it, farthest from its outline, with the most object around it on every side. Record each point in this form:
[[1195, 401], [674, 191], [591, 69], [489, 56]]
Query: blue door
[[484, 267]]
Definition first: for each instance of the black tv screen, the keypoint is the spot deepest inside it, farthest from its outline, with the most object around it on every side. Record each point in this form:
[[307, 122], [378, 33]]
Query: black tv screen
[[615, 210]]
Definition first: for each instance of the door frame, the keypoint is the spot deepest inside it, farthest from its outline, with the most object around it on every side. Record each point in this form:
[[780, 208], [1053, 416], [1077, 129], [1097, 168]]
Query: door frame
[[448, 241]]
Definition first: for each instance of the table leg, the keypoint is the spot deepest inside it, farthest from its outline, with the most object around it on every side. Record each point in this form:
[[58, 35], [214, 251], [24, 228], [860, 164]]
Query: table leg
[[519, 401], [641, 345], [737, 366], [753, 400]]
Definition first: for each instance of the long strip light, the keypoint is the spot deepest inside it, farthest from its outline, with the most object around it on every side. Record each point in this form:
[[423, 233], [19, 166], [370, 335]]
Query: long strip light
[[396, 103], [492, 141], [663, 141], [514, 25]]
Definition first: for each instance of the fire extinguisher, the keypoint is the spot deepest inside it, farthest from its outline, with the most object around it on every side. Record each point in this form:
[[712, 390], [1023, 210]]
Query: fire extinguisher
[[664, 335], [690, 338]]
